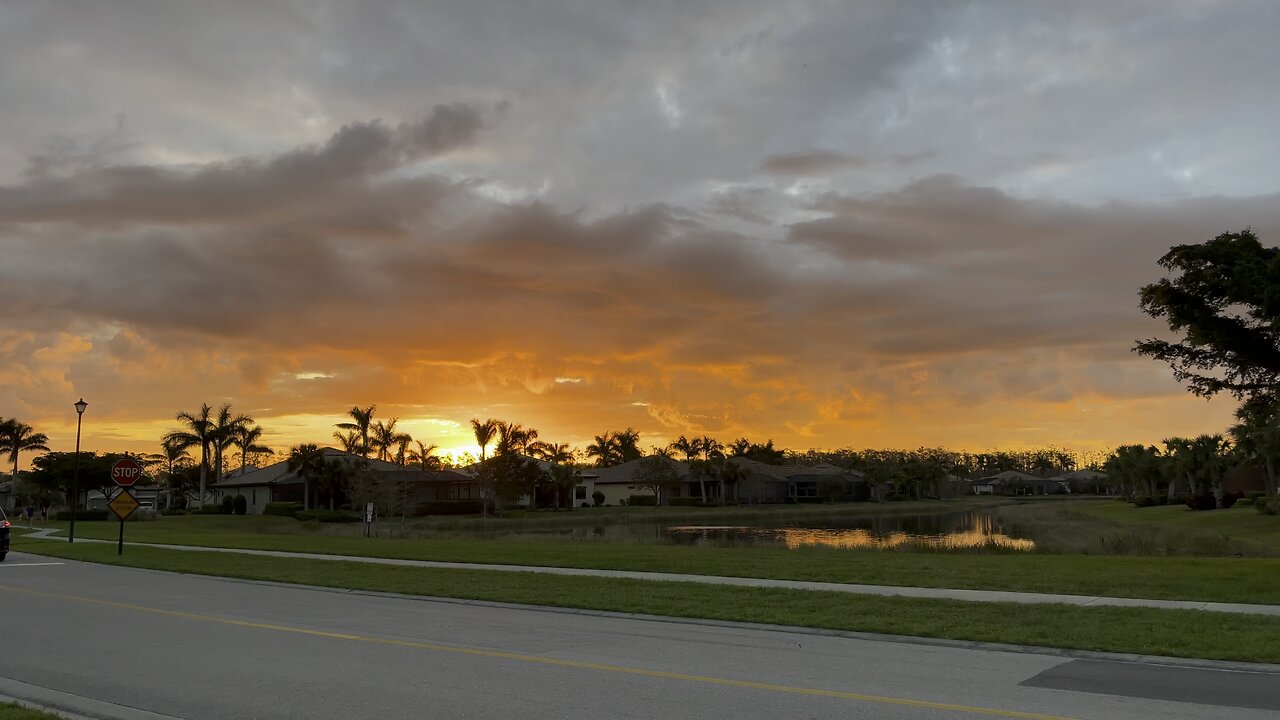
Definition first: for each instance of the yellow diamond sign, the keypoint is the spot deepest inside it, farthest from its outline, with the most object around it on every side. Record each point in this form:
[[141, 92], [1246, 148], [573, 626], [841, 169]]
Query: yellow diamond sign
[[123, 504]]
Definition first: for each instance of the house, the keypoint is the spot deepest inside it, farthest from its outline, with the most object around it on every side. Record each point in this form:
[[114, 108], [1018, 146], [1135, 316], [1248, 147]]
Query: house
[[1013, 482], [755, 481], [149, 498], [276, 483], [580, 495]]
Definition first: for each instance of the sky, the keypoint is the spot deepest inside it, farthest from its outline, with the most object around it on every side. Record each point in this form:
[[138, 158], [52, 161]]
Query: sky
[[873, 224]]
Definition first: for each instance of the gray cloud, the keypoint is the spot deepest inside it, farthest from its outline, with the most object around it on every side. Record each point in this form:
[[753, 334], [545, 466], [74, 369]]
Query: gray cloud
[[583, 193]]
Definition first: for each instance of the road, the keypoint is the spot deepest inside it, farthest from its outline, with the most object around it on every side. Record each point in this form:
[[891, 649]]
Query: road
[[119, 642]]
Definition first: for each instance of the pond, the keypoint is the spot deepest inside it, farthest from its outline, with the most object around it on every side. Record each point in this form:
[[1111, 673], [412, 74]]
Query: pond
[[945, 531]]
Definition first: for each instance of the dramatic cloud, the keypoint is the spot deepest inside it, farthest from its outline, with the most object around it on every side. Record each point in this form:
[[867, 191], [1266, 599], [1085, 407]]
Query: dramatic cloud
[[898, 224]]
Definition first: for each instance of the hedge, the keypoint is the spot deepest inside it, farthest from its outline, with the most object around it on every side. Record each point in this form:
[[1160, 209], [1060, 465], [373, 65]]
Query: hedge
[[683, 501], [641, 500], [449, 507], [82, 515], [327, 516], [286, 509]]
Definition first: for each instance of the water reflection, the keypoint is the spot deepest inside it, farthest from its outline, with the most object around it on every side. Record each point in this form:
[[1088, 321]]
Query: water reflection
[[947, 531], [981, 531]]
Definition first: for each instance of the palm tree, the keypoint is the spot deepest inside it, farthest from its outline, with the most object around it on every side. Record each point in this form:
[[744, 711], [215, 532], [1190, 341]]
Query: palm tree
[[514, 438], [740, 447], [712, 447], [173, 454], [484, 433], [627, 443], [15, 437], [246, 438], [692, 448], [361, 421], [402, 442], [423, 456], [198, 432], [350, 441], [604, 449], [307, 461], [225, 429]]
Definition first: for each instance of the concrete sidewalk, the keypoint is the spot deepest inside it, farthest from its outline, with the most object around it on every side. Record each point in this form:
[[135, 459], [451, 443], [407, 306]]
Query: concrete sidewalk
[[1004, 596]]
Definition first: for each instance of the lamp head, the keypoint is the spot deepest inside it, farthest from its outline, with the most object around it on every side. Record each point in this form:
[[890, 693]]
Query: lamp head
[[80, 406]]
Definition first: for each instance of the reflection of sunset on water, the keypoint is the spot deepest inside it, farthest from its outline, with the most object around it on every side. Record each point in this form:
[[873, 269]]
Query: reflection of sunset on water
[[982, 533]]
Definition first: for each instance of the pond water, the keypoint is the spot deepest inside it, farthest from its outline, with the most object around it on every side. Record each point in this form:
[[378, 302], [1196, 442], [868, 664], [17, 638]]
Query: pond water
[[939, 531]]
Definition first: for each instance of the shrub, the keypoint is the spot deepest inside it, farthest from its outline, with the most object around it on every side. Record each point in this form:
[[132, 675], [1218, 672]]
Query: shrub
[[240, 505], [173, 511], [1244, 502], [1268, 506], [210, 509], [449, 507], [82, 515], [815, 500], [648, 500], [1230, 499], [682, 501], [285, 509], [228, 504], [1202, 502], [327, 516], [597, 497], [1253, 495]]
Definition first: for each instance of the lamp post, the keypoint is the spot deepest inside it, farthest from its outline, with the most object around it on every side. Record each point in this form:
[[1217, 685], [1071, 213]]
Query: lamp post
[[75, 477]]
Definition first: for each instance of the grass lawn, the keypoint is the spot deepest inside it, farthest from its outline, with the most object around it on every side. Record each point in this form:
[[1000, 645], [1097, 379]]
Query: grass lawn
[[1250, 580], [1138, 630], [1243, 523], [11, 711]]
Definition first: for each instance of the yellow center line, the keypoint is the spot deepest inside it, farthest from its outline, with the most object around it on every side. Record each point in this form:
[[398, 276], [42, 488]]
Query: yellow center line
[[519, 657]]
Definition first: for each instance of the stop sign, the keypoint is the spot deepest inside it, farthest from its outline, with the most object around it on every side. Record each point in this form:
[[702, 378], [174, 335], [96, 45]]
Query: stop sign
[[126, 472]]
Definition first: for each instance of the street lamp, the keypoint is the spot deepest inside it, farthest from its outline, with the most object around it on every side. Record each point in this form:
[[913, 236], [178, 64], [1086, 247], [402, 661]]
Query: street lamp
[[75, 478]]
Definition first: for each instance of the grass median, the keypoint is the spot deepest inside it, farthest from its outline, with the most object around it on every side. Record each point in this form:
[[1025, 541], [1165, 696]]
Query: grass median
[[13, 711], [1246, 580], [1136, 630]]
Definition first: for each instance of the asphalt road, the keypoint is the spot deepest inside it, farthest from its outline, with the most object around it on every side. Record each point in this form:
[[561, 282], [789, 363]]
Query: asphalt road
[[118, 642]]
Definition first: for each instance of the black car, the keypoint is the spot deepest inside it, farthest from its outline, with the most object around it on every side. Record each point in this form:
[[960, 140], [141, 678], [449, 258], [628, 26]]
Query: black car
[[4, 535]]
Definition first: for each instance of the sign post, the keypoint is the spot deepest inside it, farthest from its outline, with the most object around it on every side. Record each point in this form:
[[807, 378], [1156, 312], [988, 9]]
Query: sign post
[[125, 472], [368, 518]]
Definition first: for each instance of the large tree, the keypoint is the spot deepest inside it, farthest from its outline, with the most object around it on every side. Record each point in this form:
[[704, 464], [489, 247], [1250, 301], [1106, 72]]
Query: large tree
[[1224, 299], [484, 432], [307, 462], [198, 430], [361, 420], [17, 437]]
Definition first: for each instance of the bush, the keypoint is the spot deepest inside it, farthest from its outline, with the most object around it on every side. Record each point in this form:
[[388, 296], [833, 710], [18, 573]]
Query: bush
[[1253, 495], [327, 516], [682, 501], [1244, 502], [211, 509], [284, 509], [240, 505], [173, 511], [449, 507], [1268, 506], [815, 500], [1202, 502], [1150, 500], [228, 504], [597, 497], [82, 515], [648, 500]]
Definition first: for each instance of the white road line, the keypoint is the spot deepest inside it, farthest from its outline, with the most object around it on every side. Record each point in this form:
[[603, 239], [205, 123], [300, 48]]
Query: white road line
[[5, 565]]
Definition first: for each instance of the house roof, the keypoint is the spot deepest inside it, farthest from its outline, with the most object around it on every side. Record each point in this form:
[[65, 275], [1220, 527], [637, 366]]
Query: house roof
[[625, 472], [584, 473], [278, 473]]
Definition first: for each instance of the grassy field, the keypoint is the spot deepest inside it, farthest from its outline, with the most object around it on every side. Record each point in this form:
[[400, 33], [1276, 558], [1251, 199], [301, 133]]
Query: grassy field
[[1137, 630], [1243, 523], [1249, 580]]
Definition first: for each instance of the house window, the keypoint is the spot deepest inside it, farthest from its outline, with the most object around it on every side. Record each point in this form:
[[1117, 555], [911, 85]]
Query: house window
[[254, 494], [453, 492], [580, 492]]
